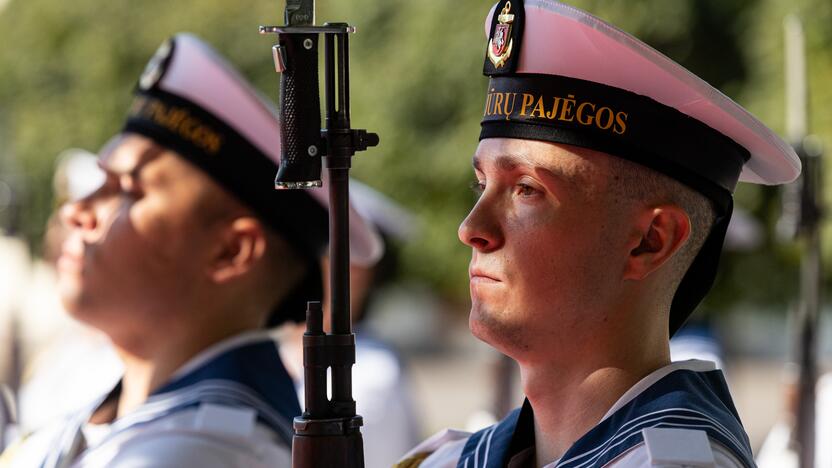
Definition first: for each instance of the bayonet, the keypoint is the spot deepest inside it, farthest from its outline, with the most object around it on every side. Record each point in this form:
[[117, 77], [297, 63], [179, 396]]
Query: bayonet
[[299, 12], [329, 431]]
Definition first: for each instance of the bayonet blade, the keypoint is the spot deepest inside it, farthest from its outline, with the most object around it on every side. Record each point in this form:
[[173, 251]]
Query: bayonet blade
[[300, 12]]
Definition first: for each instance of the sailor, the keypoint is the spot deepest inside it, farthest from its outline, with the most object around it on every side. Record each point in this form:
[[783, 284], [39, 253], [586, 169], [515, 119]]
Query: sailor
[[605, 172], [183, 257]]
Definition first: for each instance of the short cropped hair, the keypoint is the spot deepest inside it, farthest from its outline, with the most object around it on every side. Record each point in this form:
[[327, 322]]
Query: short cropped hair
[[636, 183], [283, 267]]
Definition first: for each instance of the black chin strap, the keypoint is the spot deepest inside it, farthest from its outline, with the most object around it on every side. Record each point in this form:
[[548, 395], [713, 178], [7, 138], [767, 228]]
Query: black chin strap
[[700, 276]]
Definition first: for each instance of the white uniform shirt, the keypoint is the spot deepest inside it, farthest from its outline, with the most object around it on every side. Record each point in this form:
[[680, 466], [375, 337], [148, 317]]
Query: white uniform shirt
[[230, 406]]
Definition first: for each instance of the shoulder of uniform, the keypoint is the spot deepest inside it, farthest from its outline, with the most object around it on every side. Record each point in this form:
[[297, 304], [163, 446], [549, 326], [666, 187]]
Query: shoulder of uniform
[[210, 418], [678, 447], [234, 421], [221, 423], [170, 449], [439, 443], [206, 447]]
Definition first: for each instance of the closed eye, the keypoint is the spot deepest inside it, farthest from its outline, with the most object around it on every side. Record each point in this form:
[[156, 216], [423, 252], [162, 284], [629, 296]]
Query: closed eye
[[129, 185], [477, 187]]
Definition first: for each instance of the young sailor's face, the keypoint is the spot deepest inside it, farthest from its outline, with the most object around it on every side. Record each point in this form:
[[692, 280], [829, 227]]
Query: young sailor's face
[[136, 246], [541, 234]]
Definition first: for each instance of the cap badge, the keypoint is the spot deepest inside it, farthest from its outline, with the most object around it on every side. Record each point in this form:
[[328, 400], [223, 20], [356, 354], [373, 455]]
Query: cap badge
[[499, 48]]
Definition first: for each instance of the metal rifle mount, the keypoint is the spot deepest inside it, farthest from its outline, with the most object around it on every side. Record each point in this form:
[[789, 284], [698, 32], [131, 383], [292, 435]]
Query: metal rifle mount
[[329, 431]]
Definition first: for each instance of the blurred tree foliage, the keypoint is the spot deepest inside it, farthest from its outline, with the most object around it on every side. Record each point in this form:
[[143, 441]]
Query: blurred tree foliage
[[67, 70]]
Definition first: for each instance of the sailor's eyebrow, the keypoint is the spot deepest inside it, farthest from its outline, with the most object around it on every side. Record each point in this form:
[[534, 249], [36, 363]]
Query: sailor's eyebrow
[[557, 177], [505, 162]]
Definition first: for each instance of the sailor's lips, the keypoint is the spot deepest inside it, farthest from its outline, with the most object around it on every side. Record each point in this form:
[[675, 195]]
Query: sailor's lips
[[480, 276], [71, 259]]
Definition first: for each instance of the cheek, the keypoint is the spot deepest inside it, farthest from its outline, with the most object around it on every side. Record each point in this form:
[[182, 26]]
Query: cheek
[[541, 241], [558, 259], [167, 231]]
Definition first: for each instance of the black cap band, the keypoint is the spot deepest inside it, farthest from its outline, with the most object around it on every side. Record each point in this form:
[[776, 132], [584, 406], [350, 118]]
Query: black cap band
[[638, 128]]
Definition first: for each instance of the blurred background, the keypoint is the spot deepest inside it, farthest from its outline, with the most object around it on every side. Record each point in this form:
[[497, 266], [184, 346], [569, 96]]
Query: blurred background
[[67, 70]]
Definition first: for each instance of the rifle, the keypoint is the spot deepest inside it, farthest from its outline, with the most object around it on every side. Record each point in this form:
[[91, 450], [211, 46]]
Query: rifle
[[803, 212], [328, 433]]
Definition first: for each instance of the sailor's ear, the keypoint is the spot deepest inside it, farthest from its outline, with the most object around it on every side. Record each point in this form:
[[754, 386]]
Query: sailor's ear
[[241, 245], [658, 234]]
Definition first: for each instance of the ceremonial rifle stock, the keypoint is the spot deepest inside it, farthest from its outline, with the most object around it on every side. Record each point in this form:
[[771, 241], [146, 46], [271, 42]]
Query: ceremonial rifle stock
[[329, 431]]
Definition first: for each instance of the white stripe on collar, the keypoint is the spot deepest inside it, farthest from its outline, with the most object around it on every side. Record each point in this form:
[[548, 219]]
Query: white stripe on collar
[[664, 418], [658, 374], [211, 391]]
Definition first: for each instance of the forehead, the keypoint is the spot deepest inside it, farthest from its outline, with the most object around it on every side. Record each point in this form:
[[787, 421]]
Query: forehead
[[160, 169], [136, 155], [571, 164], [126, 153]]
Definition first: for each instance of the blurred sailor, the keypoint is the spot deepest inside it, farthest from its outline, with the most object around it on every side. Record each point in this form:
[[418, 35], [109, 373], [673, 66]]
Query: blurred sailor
[[606, 174], [182, 257], [52, 342]]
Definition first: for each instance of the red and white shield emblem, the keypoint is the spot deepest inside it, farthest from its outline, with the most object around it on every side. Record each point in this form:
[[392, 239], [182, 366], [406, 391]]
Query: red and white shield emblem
[[501, 38], [499, 49]]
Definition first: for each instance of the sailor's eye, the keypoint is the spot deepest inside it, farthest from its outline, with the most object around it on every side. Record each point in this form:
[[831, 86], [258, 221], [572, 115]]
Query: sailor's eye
[[526, 190]]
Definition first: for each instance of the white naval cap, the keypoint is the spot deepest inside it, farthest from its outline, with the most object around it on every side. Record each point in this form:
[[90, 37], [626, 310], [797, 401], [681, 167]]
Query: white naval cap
[[392, 220], [192, 100], [77, 175], [559, 74], [558, 39]]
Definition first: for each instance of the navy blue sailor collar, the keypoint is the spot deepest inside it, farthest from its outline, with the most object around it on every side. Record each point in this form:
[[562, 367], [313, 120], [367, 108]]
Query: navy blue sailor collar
[[685, 395], [242, 371]]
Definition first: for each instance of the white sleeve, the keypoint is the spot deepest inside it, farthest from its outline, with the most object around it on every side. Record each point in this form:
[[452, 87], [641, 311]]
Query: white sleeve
[[446, 456], [442, 450], [724, 458]]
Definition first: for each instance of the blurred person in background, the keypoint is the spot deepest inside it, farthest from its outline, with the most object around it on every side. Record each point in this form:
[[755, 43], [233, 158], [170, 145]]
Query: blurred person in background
[[381, 387], [779, 448], [605, 172], [15, 265], [183, 257]]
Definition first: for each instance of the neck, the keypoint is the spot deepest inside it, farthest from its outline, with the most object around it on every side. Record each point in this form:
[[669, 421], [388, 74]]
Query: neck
[[151, 359], [569, 397], [143, 373]]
